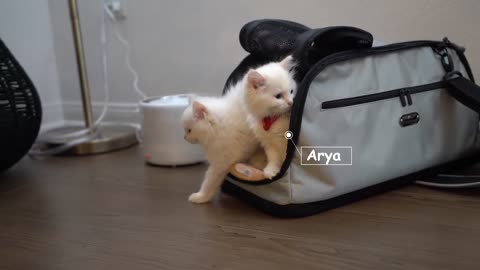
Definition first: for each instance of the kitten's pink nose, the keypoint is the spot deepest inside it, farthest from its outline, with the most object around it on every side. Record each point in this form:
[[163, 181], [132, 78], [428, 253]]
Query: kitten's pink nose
[[290, 102]]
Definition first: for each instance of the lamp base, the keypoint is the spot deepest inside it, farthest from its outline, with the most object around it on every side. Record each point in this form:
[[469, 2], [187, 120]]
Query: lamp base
[[110, 138]]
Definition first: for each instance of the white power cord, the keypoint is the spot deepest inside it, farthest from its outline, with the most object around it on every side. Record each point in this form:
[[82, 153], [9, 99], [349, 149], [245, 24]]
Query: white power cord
[[128, 63], [126, 44], [85, 135]]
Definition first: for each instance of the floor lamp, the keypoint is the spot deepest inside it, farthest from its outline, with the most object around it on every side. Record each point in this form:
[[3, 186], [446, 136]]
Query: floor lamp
[[110, 137]]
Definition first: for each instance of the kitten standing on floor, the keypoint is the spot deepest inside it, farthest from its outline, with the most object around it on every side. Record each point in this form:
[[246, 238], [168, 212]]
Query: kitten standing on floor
[[219, 125], [269, 97]]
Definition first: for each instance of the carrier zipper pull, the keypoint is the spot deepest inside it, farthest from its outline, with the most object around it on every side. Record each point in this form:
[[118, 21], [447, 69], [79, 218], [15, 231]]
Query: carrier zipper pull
[[402, 98], [409, 97]]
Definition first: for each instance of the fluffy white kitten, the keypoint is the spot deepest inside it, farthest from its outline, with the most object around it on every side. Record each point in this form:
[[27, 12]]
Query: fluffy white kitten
[[219, 125], [269, 97]]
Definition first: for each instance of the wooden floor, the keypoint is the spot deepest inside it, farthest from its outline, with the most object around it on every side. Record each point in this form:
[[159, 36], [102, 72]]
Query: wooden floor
[[113, 212]]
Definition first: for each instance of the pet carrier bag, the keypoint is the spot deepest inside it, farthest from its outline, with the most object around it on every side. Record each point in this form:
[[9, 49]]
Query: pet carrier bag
[[390, 115]]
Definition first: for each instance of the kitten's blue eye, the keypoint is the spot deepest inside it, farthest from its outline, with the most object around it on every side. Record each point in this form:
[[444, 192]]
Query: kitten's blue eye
[[278, 96]]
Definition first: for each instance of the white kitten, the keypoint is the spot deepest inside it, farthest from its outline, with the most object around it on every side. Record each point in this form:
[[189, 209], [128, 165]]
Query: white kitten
[[219, 125], [269, 97]]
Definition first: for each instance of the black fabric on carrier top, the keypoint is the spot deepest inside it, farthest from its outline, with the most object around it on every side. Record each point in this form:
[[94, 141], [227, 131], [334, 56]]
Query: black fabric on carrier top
[[270, 37], [269, 40], [266, 40]]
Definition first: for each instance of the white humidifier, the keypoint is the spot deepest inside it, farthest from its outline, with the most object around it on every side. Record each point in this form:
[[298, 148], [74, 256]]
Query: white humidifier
[[162, 130]]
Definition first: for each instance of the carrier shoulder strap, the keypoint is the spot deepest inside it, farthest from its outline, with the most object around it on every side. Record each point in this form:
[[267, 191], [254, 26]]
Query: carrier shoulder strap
[[466, 176], [467, 93], [450, 180]]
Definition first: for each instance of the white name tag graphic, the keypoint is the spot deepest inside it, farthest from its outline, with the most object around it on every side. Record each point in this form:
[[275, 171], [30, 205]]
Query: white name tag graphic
[[326, 155]]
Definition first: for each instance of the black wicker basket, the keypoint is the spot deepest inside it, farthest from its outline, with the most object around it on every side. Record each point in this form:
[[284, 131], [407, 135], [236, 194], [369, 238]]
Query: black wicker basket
[[20, 110]]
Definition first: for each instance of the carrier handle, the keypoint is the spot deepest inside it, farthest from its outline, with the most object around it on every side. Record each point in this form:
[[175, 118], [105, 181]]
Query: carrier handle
[[313, 45], [463, 90]]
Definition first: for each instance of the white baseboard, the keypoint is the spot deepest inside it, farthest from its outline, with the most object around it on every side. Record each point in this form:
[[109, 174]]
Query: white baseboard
[[51, 125], [52, 115], [117, 111]]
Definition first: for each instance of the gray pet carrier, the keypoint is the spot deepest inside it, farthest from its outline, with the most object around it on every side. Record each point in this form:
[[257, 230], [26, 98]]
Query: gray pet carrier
[[364, 119]]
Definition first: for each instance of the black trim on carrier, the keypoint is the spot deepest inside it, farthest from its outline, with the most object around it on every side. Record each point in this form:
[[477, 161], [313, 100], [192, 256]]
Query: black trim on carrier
[[300, 98], [308, 209]]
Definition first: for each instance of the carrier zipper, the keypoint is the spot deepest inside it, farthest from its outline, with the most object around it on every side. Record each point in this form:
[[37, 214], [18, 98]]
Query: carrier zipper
[[403, 93]]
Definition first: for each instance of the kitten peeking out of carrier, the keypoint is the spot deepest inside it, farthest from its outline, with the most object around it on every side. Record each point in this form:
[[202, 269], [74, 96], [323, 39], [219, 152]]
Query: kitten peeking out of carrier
[[247, 124], [269, 93]]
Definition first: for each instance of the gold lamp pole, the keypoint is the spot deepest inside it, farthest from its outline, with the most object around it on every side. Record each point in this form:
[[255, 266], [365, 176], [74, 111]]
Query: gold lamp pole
[[80, 56], [108, 137]]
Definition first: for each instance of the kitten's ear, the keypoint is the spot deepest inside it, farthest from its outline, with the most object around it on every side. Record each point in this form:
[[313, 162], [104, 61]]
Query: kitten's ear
[[199, 110], [288, 63], [255, 79]]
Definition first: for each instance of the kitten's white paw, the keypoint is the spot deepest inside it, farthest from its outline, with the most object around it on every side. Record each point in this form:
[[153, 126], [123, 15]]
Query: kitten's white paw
[[199, 197], [271, 171]]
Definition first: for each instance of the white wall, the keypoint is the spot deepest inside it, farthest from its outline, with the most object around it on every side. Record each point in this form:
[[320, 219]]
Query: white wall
[[25, 28], [192, 46]]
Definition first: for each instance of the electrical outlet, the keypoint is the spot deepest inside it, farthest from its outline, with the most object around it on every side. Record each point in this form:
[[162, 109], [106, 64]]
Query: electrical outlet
[[118, 8]]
